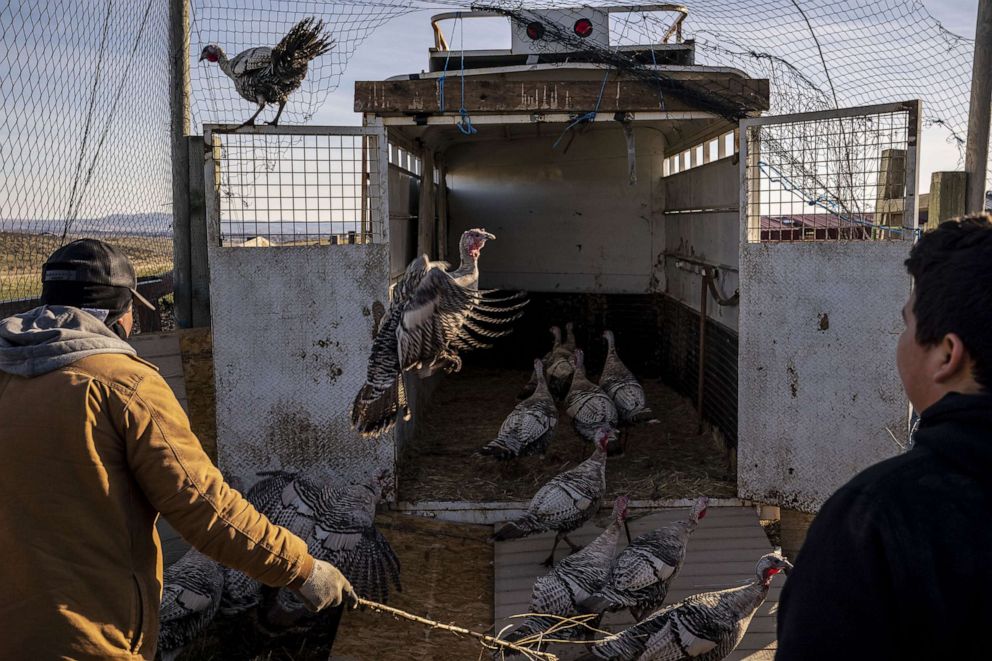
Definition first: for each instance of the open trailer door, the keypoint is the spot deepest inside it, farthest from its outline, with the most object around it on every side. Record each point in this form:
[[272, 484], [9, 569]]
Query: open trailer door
[[828, 213], [298, 255]]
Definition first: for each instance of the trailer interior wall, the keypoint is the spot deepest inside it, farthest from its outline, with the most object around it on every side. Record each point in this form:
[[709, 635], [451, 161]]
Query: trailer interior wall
[[404, 189], [591, 248], [702, 226], [566, 219]]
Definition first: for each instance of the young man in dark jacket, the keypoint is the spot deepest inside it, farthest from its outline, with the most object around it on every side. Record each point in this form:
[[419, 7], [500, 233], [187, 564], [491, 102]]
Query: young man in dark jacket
[[898, 563]]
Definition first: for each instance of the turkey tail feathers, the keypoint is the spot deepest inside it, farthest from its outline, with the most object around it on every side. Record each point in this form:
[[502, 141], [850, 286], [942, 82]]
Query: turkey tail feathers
[[304, 42], [375, 413]]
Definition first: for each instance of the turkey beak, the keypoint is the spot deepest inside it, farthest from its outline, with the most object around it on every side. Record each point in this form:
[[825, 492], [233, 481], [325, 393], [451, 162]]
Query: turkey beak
[[203, 56], [488, 237], [787, 567]]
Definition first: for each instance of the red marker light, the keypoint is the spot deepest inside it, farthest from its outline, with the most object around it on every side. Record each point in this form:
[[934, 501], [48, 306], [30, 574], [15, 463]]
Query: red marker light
[[583, 27], [535, 30]]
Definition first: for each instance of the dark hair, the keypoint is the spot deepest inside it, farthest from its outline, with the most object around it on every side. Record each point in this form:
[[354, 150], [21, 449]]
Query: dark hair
[[952, 272]]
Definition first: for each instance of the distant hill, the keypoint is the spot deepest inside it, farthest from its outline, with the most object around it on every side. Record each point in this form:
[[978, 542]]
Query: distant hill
[[140, 224]]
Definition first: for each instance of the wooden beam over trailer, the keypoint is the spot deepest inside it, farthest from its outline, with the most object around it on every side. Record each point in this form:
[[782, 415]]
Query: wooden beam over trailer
[[498, 94]]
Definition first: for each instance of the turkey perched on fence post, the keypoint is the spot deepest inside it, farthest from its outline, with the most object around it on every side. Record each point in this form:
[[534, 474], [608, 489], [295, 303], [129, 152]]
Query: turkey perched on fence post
[[623, 388], [266, 75], [191, 595], [573, 580], [529, 427], [433, 315], [643, 570], [590, 407], [703, 627], [565, 502]]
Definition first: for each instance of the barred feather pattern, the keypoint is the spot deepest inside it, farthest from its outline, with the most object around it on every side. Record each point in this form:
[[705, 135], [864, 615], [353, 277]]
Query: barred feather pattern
[[529, 427], [564, 503], [344, 534], [564, 589], [587, 404], [270, 75], [338, 525], [641, 573], [703, 627], [623, 387], [191, 596], [434, 314]]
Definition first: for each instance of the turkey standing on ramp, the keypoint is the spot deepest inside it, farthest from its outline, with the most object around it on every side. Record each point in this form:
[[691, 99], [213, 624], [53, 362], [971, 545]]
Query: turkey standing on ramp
[[590, 407], [265, 75], [567, 501], [573, 580], [433, 314], [191, 594], [623, 388], [529, 427], [703, 627], [642, 572]]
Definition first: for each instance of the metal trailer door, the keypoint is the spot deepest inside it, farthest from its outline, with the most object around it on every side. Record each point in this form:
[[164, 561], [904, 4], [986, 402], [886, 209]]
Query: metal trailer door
[[828, 214], [298, 253]]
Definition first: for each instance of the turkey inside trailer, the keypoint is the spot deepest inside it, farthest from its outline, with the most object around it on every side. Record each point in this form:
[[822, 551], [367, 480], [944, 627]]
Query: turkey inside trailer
[[590, 221]]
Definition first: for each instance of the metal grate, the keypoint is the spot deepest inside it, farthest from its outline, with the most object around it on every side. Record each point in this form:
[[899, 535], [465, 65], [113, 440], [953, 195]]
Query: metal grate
[[832, 176], [293, 189]]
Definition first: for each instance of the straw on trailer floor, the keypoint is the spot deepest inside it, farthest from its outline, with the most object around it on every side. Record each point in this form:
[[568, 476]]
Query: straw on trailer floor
[[666, 460], [722, 553]]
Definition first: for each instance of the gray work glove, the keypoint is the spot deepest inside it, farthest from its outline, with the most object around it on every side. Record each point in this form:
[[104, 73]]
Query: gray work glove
[[326, 587]]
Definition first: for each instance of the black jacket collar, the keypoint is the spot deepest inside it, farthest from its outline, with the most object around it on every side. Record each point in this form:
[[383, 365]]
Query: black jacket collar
[[958, 429]]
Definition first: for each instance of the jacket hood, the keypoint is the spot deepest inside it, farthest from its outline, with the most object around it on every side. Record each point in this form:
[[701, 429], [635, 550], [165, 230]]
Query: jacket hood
[[958, 429], [50, 337]]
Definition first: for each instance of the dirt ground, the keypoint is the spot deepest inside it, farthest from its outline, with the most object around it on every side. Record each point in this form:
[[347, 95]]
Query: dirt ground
[[666, 460], [447, 575]]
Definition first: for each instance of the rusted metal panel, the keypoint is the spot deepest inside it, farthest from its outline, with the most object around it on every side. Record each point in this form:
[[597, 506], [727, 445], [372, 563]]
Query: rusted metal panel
[[497, 94], [292, 330], [819, 398]]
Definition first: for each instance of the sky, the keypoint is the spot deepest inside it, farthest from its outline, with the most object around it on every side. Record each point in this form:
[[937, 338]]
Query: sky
[[40, 138], [400, 46]]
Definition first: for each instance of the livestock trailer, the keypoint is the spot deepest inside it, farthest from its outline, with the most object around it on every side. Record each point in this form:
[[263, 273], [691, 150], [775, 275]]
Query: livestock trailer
[[748, 264]]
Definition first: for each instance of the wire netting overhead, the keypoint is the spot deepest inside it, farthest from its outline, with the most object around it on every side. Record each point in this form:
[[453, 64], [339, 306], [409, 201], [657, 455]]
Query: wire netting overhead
[[84, 149], [818, 54]]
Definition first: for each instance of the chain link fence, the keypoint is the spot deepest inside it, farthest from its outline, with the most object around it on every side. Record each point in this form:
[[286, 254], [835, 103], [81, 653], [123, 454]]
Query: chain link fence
[[86, 150]]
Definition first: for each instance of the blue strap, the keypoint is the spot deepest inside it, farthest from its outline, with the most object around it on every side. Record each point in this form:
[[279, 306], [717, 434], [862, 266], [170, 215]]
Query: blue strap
[[465, 125], [587, 117]]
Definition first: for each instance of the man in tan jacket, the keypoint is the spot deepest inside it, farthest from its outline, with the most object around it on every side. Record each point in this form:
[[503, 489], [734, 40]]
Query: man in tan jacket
[[93, 445]]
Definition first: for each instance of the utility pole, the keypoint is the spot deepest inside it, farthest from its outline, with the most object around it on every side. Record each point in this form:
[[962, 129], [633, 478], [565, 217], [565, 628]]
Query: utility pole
[[179, 93], [977, 147]]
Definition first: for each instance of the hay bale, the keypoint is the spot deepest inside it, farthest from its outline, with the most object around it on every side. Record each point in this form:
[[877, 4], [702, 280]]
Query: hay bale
[[198, 369]]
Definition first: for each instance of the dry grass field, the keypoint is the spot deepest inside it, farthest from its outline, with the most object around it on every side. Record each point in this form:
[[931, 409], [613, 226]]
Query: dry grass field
[[21, 257]]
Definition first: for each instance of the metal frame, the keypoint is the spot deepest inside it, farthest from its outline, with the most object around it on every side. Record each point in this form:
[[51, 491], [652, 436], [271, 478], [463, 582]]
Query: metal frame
[[441, 43], [378, 206], [748, 158], [819, 395]]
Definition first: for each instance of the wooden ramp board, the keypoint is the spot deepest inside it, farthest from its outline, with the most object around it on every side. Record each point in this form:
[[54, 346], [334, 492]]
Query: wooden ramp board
[[722, 553]]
